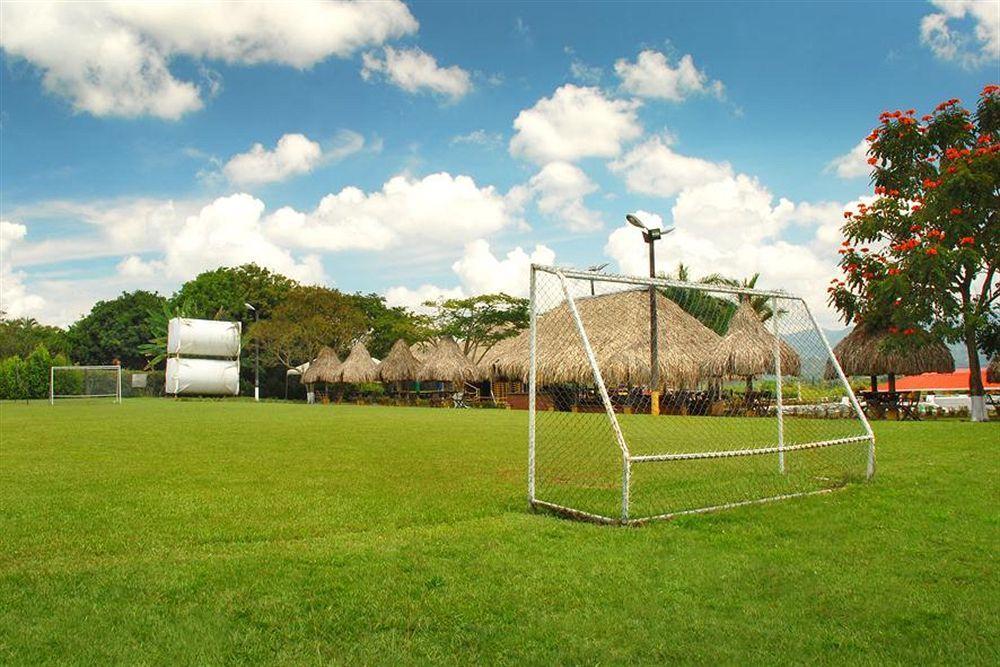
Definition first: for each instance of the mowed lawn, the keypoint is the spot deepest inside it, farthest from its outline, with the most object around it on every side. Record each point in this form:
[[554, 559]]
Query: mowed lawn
[[215, 532]]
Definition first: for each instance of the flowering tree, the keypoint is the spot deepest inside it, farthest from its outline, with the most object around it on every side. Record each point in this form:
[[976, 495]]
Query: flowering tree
[[925, 253]]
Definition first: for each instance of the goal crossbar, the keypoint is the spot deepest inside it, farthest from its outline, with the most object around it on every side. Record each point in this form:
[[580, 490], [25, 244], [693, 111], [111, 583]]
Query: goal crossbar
[[117, 394]]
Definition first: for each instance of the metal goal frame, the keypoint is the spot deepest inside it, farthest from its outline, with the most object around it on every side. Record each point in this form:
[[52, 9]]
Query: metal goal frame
[[628, 459], [117, 395]]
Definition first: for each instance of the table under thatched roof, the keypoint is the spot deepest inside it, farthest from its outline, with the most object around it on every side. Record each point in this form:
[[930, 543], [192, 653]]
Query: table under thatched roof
[[446, 363], [864, 352], [357, 367], [399, 365], [993, 370], [617, 326], [323, 368], [748, 349]]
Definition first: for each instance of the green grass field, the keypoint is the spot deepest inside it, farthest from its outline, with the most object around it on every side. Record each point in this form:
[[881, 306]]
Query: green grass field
[[218, 532]]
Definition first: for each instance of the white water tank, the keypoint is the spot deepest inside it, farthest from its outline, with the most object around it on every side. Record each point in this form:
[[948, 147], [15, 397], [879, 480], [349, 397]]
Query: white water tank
[[203, 338], [220, 377]]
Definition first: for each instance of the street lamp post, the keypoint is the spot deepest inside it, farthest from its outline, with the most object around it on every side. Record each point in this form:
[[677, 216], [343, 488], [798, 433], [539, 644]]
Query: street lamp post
[[256, 356], [651, 235]]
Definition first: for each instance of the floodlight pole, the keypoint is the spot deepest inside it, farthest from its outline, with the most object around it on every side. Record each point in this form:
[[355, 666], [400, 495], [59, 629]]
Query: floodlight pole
[[256, 358], [651, 235]]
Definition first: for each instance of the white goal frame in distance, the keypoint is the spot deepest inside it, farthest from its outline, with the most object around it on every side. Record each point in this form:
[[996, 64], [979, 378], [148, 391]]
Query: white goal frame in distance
[[562, 274], [118, 382]]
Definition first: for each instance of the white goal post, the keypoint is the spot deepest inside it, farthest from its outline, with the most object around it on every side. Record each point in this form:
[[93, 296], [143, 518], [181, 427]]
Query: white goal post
[[654, 398], [85, 382]]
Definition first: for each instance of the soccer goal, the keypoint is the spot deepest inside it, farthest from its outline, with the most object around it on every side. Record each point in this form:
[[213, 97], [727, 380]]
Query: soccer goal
[[653, 398], [85, 382]]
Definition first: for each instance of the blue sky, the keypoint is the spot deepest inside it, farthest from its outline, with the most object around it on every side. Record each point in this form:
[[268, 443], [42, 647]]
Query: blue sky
[[437, 148]]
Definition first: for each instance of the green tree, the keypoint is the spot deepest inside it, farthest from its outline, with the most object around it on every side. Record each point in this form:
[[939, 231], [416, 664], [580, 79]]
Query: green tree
[[480, 322], [925, 253], [13, 374], [222, 294], [37, 367], [388, 324], [21, 335], [307, 319], [115, 329]]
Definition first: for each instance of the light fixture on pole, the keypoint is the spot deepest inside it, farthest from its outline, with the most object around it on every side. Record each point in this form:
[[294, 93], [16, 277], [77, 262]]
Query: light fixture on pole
[[256, 357], [651, 235], [594, 269]]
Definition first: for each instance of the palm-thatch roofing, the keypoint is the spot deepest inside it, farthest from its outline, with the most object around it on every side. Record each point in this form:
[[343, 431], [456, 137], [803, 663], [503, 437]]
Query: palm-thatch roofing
[[357, 367], [446, 363], [617, 326], [748, 349], [864, 352], [323, 368], [993, 370], [420, 350], [399, 365]]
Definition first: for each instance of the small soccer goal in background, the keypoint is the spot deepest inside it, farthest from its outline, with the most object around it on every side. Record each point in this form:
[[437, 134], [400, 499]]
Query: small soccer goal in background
[[653, 398], [85, 382]]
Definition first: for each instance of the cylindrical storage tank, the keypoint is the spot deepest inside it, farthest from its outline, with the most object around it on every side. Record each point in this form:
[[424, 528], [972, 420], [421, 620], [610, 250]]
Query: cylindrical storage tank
[[203, 376], [203, 338]]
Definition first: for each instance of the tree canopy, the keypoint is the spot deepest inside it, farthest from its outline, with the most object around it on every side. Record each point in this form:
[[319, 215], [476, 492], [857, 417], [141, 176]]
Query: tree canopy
[[480, 322], [115, 329]]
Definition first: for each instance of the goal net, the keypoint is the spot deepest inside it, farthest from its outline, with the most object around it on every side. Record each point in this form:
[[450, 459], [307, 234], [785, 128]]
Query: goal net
[[85, 382], [652, 398]]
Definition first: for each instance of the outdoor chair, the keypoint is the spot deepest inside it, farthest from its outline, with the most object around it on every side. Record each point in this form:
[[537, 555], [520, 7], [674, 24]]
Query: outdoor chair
[[458, 400], [908, 403]]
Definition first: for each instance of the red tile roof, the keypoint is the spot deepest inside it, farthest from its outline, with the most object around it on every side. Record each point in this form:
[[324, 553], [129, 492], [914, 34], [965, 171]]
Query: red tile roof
[[957, 381]]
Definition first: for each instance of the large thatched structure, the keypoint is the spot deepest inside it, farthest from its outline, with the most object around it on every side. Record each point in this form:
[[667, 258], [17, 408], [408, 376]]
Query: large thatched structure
[[993, 370], [747, 349], [399, 365], [617, 326], [446, 363], [864, 352], [323, 368], [421, 350], [357, 367]]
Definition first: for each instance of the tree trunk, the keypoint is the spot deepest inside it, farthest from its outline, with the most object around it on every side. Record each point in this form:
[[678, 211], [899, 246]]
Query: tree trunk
[[977, 411]]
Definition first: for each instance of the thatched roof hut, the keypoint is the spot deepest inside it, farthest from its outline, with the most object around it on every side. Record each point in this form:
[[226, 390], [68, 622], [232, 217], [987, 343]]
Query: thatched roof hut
[[617, 326], [993, 370], [323, 368], [446, 363], [399, 365], [422, 349], [747, 349], [357, 367], [864, 352]]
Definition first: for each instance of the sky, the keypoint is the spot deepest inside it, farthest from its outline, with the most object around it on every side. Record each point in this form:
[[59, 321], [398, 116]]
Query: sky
[[428, 150]]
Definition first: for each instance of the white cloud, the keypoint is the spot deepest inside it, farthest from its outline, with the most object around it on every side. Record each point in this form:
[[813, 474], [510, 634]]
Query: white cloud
[[414, 299], [574, 123], [479, 137], [481, 272], [113, 59], [559, 189], [586, 74], [439, 209], [652, 76], [853, 164], [415, 71], [293, 154], [653, 168], [975, 49], [134, 266], [15, 298], [228, 232]]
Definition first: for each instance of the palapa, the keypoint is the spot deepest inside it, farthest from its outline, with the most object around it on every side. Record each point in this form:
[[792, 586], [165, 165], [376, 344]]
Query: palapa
[[864, 352], [323, 368], [357, 367], [617, 326], [399, 365], [446, 363], [747, 349]]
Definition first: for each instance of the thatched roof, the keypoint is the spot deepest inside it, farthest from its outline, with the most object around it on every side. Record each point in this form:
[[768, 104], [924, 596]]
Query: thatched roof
[[617, 326], [993, 370], [357, 367], [446, 363], [422, 349], [748, 349], [399, 365], [323, 368], [863, 352]]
